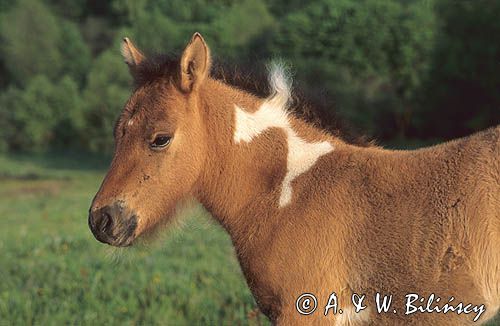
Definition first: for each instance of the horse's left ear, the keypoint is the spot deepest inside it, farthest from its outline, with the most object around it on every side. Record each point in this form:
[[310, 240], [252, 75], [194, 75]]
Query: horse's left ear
[[195, 63]]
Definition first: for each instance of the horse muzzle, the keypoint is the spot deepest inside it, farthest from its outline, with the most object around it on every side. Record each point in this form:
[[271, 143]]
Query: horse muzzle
[[113, 224]]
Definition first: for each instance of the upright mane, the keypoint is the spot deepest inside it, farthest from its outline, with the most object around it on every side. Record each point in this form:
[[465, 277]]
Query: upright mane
[[261, 82]]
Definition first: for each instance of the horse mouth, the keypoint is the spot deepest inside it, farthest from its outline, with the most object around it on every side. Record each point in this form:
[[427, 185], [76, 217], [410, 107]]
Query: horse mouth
[[115, 241]]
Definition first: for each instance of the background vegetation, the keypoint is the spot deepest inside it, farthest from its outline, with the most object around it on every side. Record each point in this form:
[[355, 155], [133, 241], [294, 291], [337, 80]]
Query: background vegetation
[[53, 272], [397, 69], [402, 71]]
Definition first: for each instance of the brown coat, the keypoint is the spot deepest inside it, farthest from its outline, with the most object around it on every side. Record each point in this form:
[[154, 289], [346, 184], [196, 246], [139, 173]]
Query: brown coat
[[359, 220]]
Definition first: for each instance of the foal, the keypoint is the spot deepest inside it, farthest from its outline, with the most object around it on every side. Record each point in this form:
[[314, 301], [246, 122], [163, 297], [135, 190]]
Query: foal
[[309, 214]]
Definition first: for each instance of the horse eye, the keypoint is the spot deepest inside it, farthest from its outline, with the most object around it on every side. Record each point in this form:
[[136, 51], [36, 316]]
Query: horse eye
[[160, 141]]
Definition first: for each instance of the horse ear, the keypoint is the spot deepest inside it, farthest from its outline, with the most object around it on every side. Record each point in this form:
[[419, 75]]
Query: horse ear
[[195, 63], [131, 54]]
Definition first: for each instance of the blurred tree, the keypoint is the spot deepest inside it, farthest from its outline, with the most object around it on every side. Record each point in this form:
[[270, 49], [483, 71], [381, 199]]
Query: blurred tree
[[395, 68], [108, 87], [75, 53], [169, 38], [370, 54], [5, 5], [74, 9], [98, 34], [141, 17], [233, 29], [10, 101], [36, 116], [69, 115], [282, 7], [203, 11], [412, 42], [45, 114], [463, 89], [128, 11], [30, 34]]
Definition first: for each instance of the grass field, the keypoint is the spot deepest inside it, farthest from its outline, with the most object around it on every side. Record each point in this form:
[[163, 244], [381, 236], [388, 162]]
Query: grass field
[[54, 272]]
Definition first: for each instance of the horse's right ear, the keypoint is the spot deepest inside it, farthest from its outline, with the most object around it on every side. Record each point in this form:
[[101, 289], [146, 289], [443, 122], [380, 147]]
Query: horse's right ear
[[132, 56], [194, 64]]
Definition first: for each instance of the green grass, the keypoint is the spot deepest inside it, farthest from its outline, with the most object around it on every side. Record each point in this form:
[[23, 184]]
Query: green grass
[[54, 272]]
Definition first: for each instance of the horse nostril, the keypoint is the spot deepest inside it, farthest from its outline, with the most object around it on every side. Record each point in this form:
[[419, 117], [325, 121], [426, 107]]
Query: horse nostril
[[101, 223], [106, 222]]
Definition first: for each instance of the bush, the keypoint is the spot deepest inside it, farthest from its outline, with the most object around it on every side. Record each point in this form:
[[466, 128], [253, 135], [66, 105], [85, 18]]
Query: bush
[[461, 94], [372, 56], [46, 115], [108, 88], [395, 68], [30, 35]]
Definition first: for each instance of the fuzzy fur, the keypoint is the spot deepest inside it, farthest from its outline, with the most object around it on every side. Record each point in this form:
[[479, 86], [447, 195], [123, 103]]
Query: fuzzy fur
[[361, 219]]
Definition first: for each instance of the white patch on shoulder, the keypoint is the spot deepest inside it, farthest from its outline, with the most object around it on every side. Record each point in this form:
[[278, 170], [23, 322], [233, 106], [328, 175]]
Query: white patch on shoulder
[[350, 317], [301, 157], [273, 114]]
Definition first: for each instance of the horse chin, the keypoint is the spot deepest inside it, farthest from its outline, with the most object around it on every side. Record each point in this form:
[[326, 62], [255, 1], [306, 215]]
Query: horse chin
[[120, 242], [126, 243], [156, 227]]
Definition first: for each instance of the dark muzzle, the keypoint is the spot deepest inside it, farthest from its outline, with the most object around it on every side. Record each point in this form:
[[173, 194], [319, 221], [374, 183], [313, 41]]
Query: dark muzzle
[[113, 224]]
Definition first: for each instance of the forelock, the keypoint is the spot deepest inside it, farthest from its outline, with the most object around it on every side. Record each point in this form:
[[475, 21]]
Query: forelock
[[162, 67]]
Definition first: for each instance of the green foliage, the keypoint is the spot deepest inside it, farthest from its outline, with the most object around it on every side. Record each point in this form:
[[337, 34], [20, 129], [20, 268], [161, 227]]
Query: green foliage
[[75, 53], [352, 34], [108, 88], [73, 9], [462, 92], [394, 68], [70, 121], [371, 54], [45, 114], [30, 35], [169, 38], [235, 28], [9, 99], [6, 4]]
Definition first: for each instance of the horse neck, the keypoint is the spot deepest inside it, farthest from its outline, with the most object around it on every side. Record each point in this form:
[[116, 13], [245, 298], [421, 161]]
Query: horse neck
[[244, 175]]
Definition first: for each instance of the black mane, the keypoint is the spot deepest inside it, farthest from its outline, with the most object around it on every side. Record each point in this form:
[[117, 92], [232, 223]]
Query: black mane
[[254, 79]]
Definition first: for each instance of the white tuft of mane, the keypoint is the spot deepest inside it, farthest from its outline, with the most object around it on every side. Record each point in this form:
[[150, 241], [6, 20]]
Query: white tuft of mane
[[280, 81], [273, 113]]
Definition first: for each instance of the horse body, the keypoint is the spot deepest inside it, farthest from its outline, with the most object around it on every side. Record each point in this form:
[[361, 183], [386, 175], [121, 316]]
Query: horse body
[[362, 220], [306, 211]]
